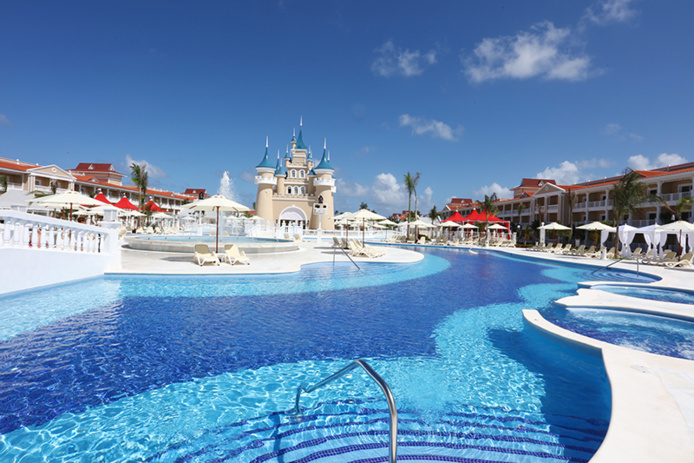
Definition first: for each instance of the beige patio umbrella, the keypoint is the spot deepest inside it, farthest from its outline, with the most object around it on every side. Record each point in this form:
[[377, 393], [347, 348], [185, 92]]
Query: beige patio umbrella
[[364, 215], [217, 203], [69, 199]]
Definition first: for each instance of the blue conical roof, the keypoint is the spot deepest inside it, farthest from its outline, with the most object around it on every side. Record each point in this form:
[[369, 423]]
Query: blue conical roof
[[324, 162], [300, 141], [279, 169], [265, 162]]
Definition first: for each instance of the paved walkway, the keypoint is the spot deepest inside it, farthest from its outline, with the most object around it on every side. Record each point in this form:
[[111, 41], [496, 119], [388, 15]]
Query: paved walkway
[[135, 261]]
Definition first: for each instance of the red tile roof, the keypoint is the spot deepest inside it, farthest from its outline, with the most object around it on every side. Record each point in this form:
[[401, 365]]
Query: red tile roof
[[96, 167]]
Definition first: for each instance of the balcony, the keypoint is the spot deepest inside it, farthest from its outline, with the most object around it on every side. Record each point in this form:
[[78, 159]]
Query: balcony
[[324, 182], [260, 180], [674, 197], [553, 208]]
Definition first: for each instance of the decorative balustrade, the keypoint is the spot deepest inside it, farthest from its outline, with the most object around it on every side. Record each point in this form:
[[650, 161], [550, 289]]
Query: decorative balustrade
[[260, 180], [23, 230], [324, 181]]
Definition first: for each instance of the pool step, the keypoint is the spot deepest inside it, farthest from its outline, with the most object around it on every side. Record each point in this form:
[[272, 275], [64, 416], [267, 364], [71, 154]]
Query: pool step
[[358, 432]]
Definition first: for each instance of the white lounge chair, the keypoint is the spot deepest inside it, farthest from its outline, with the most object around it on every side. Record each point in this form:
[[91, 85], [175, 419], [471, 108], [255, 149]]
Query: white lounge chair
[[685, 261], [234, 255], [203, 255]]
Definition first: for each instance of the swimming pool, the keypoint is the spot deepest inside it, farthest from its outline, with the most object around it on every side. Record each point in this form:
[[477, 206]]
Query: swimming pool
[[202, 368], [644, 332]]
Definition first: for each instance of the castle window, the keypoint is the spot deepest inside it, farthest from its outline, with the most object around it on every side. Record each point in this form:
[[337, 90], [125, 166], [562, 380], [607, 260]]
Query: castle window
[[303, 189], [289, 190], [292, 173], [296, 190], [302, 174]]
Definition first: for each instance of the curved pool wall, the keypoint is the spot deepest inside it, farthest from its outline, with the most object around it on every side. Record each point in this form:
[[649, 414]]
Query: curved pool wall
[[653, 293], [186, 243], [156, 370]]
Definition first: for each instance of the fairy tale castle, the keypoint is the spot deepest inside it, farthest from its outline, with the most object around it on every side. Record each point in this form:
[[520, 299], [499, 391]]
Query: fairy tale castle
[[294, 190]]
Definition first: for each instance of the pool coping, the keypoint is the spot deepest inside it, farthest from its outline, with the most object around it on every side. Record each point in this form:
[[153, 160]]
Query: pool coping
[[641, 384]]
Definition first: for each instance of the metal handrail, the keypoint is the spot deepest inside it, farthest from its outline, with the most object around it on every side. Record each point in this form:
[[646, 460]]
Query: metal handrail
[[616, 262], [346, 254], [393, 429]]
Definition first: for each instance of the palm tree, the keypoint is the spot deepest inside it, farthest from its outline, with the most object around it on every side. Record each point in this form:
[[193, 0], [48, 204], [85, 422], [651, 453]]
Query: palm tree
[[3, 183], [363, 205], [415, 181], [409, 184], [140, 178], [433, 214], [521, 207], [489, 207], [629, 193], [678, 209], [571, 199]]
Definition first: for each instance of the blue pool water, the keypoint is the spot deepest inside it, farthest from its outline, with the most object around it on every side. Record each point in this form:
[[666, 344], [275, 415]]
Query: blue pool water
[[653, 294], [203, 368], [648, 333]]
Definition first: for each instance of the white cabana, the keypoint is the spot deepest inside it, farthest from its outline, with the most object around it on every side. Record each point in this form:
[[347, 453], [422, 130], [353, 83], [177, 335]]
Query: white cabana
[[626, 236]]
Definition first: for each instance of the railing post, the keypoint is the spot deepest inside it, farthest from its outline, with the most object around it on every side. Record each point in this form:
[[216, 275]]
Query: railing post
[[7, 232]]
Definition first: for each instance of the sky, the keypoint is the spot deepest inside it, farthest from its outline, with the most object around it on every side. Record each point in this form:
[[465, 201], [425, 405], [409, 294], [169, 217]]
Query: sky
[[474, 96]]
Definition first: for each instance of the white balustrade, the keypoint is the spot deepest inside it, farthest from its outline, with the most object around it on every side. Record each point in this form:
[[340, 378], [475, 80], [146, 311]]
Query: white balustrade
[[23, 230]]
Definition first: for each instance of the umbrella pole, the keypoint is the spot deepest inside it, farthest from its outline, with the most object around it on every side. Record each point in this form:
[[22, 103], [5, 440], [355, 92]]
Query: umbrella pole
[[216, 235]]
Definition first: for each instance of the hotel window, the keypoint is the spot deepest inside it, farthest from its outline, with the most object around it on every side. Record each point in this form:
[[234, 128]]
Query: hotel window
[[686, 188]]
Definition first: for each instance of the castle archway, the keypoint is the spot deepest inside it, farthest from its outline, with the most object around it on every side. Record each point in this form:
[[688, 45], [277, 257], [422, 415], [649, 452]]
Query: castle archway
[[293, 214]]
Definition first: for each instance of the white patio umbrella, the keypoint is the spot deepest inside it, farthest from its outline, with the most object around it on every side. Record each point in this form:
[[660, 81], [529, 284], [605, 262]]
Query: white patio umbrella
[[217, 203], [554, 226], [597, 226], [680, 226], [69, 199]]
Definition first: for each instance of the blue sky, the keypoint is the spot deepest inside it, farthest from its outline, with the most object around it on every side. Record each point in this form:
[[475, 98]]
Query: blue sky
[[473, 95]]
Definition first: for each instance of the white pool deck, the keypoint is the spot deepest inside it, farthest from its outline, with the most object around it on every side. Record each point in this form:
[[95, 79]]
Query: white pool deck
[[652, 396]]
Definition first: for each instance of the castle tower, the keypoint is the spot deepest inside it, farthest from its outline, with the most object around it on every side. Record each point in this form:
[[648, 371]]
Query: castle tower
[[324, 184], [266, 182]]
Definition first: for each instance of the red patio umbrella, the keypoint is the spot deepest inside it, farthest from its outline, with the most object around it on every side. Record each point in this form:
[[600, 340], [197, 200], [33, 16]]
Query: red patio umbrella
[[456, 217], [152, 206], [124, 203], [102, 198]]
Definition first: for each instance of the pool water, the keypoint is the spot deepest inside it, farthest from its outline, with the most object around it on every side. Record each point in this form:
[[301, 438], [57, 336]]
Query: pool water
[[653, 294], [205, 368], [648, 333]]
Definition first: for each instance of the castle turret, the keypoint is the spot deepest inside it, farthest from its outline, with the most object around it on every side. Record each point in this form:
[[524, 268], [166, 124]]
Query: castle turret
[[265, 181], [324, 184], [280, 173]]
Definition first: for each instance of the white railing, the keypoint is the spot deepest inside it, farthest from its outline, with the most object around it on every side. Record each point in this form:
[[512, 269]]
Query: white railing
[[553, 208], [31, 231], [674, 197], [324, 181], [259, 180]]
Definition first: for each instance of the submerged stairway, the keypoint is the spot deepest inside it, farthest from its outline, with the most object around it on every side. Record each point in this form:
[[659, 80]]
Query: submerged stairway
[[357, 431]]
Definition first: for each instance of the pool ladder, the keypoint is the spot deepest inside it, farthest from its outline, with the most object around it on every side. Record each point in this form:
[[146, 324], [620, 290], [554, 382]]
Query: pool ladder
[[393, 429]]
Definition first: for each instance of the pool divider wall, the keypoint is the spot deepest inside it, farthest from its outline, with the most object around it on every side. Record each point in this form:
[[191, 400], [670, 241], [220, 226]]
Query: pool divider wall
[[646, 423]]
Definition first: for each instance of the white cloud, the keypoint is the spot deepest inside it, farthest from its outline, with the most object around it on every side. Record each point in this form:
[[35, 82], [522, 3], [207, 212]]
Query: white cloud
[[616, 130], [436, 129], [641, 162], [567, 173], [388, 192], [364, 150], [542, 51], [4, 120], [394, 60], [610, 11], [247, 176], [152, 170], [352, 189], [501, 192], [593, 163]]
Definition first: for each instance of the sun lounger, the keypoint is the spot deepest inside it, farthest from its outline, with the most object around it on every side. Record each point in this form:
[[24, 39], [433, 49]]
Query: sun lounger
[[562, 250], [203, 255], [637, 253], [669, 258], [590, 252], [685, 261], [234, 255], [581, 249]]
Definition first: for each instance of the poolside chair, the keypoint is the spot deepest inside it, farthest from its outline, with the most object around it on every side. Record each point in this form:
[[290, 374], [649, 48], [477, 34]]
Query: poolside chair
[[203, 255], [612, 253], [685, 261], [234, 255], [668, 258], [590, 252], [563, 250], [638, 252], [576, 251]]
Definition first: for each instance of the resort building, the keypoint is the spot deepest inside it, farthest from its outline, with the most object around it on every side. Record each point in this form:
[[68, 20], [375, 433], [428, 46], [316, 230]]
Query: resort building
[[294, 190], [543, 200], [87, 178]]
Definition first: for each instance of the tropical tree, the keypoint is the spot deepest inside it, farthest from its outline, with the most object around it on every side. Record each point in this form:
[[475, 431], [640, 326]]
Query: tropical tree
[[140, 177], [678, 209], [415, 181], [410, 186], [433, 214], [629, 194], [521, 207], [571, 198], [3, 183], [363, 205], [489, 207]]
